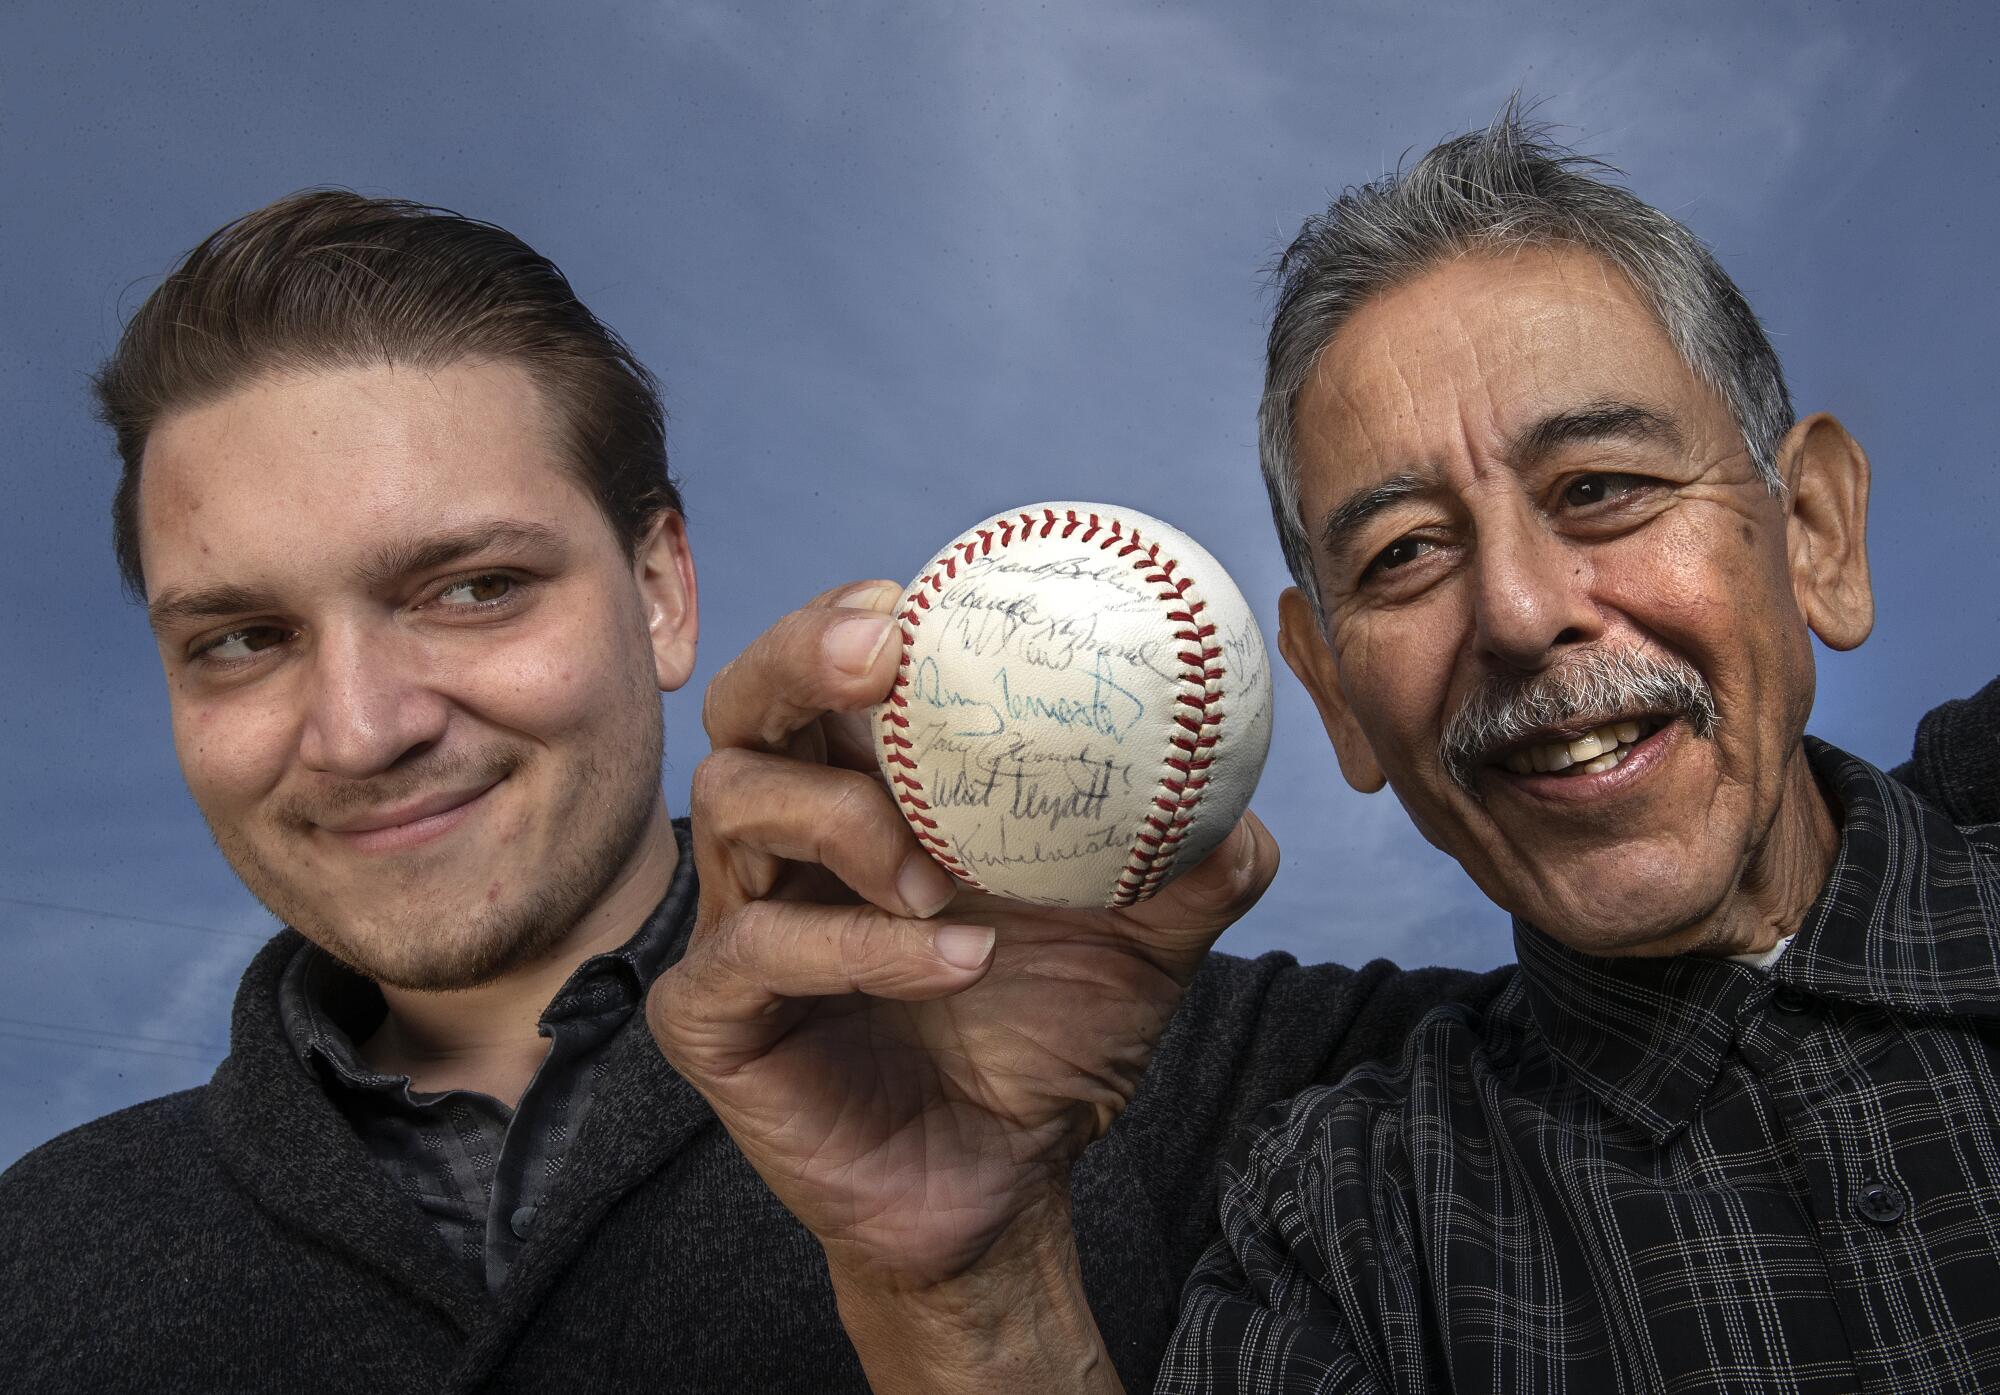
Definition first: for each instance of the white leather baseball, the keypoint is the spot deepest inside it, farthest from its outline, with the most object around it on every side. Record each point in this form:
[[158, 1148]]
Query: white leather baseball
[[1082, 709]]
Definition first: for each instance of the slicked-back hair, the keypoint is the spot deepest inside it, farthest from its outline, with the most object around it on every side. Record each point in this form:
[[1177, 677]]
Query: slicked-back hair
[[1498, 190], [328, 280]]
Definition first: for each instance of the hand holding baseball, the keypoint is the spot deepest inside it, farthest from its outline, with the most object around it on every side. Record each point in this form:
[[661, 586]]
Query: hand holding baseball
[[911, 1066]]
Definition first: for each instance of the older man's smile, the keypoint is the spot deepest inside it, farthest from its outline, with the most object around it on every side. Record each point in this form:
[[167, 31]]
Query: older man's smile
[[1607, 760]]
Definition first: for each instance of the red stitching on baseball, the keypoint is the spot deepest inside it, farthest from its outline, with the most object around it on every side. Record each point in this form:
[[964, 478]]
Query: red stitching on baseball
[[1151, 858]]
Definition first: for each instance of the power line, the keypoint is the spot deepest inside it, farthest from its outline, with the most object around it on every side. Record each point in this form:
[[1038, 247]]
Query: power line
[[136, 919], [107, 1046], [105, 1032]]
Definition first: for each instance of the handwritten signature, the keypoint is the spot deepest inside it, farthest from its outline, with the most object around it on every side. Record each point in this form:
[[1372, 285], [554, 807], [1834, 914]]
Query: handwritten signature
[[928, 687], [974, 851], [990, 619], [1110, 709]]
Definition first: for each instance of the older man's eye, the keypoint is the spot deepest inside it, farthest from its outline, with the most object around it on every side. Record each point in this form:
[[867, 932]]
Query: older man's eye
[[478, 590], [1586, 490], [1399, 553]]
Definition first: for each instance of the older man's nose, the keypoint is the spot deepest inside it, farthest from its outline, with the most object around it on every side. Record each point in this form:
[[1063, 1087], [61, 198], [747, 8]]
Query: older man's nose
[[366, 708], [1531, 595]]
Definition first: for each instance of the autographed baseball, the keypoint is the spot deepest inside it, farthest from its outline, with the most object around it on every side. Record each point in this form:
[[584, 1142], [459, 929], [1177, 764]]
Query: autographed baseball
[[1082, 709]]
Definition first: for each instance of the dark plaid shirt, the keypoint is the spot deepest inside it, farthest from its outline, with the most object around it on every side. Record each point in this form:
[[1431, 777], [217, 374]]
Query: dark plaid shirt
[[478, 1169], [1654, 1174]]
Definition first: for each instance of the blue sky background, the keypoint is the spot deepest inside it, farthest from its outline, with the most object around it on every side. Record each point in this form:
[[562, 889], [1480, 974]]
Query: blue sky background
[[898, 267]]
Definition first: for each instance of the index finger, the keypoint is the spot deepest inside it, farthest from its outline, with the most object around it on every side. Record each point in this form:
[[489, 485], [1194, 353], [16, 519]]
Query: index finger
[[837, 654]]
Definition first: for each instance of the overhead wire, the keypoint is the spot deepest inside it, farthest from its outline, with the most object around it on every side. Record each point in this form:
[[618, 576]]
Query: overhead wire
[[136, 919], [104, 1032], [112, 1046], [102, 1039]]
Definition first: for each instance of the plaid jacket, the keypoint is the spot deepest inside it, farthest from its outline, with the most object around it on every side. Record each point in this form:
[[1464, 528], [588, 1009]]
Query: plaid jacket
[[1653, 1175]]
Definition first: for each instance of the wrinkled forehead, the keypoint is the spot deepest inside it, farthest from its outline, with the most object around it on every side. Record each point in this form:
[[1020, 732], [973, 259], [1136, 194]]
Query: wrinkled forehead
[[1457, 361], [294, 473]]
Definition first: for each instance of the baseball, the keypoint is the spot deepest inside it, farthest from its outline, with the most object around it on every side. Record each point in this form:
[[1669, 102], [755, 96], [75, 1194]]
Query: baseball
[[1082, 709]]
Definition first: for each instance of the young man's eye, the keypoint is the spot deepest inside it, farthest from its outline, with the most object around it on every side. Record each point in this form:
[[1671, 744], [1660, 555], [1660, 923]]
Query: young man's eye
[[478, 590], [240, 644]]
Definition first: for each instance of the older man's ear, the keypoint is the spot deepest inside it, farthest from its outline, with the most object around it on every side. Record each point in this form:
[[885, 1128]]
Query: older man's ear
[[1826, 529], [1305, 650]]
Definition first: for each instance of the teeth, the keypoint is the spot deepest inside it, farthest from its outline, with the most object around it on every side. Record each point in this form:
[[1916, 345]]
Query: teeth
[[1588, 754], [1592, 746]]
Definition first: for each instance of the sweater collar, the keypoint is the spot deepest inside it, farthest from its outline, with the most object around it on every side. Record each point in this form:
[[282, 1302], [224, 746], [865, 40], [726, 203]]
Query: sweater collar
[[328, 1009], [278, 1134]]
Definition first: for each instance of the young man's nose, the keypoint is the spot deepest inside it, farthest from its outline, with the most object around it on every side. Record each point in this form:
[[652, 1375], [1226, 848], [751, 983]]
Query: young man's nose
[[367, 705]]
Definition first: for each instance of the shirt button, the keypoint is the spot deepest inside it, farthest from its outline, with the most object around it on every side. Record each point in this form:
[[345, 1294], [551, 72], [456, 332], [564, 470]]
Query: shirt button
[[1789, 999], [522, 1221], [1880, 1202]]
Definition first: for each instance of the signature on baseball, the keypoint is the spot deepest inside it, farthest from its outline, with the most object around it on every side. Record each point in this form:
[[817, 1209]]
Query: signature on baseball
[[1105, 708], [1084, 702], [988, 613]]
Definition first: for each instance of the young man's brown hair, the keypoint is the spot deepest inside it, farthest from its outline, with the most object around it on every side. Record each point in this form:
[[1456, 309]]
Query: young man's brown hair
[[330, 279]]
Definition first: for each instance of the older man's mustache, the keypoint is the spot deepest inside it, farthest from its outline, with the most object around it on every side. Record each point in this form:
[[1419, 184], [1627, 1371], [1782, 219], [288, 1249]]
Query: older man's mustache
[[1586, 689]]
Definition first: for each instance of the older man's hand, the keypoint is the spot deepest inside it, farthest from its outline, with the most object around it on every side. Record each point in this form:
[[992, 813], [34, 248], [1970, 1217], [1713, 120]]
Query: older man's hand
[[912, 1067]]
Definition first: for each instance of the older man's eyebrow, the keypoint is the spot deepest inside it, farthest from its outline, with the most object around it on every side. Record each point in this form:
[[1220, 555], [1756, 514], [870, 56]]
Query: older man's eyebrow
[[1605, 420], [389, 563], [1344, 521]]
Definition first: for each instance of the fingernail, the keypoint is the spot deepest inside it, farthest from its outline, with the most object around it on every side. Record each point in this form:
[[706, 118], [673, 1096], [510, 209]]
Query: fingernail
[[964, 946], [853, 644], [870, 595], [924, 886]]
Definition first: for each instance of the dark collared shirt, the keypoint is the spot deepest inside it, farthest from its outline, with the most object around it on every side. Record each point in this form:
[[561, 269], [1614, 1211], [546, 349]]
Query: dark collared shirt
[[1654, 1174], [477, 1169]]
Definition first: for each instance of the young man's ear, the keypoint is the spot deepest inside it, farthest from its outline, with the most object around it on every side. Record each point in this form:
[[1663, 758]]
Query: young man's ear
[[663, 567], [1306, 652], [1826, 529]]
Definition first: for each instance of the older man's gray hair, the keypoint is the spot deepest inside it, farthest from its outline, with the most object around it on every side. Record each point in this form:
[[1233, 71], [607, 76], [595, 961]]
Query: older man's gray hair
[[1506, 187]]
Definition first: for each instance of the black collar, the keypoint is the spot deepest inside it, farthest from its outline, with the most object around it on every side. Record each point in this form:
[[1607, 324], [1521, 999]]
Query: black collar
[[328, 1009], [278, 1134], [1909, 919]]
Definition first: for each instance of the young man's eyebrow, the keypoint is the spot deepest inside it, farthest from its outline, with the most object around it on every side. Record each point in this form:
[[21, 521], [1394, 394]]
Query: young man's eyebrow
[[178, 606], [1603, 420], [1337, 532], [399, 559]]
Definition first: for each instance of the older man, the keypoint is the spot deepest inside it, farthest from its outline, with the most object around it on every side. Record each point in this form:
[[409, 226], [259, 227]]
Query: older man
[[1733, 1123]]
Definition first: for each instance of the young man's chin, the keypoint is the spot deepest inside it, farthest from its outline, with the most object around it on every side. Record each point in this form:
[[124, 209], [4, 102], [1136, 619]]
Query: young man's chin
[[422, 943], [419, 958]]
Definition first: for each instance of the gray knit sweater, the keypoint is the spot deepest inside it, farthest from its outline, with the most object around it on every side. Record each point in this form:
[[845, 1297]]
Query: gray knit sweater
[[237, 1237]]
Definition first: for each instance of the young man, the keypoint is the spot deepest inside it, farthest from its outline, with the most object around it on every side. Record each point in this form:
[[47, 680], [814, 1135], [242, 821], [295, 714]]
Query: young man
[[399, 509]]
